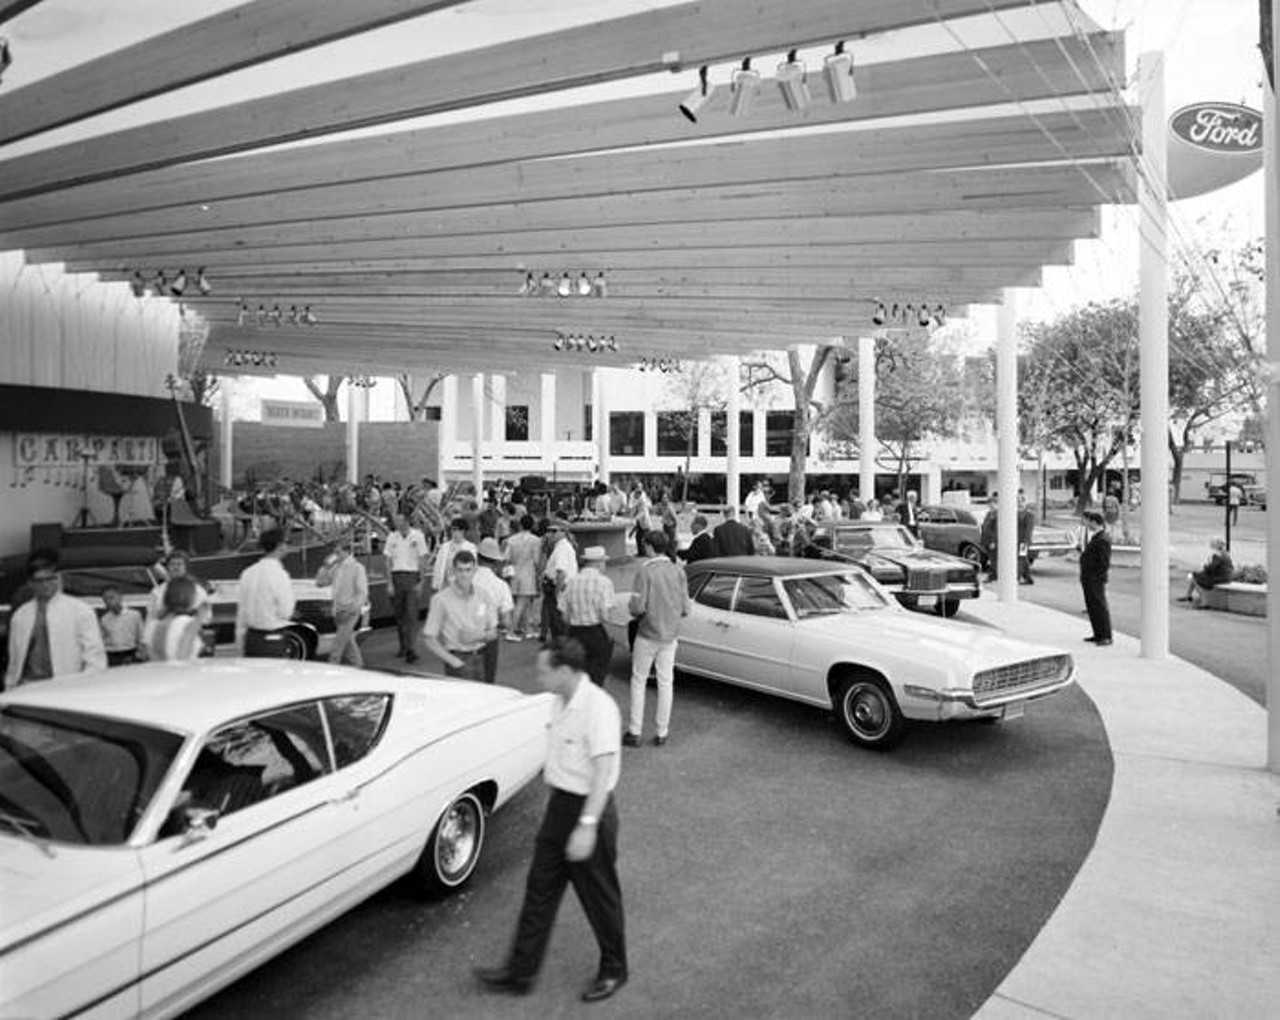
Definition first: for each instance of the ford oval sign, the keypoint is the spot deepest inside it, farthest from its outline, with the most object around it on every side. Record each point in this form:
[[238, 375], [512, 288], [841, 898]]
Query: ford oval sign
[[1219, 127]]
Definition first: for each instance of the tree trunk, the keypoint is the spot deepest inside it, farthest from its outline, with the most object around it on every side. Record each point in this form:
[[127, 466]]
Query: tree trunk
[[1178, 451]]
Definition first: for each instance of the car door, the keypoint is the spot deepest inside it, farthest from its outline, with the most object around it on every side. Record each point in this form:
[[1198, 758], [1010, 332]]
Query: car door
[[701, 646], [938, 529], [758, 635], [265, 871]]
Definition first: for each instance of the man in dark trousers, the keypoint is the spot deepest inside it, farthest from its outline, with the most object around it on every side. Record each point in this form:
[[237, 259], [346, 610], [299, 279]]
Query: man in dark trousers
[[731, 537], [1026, 531], [703, 546], [578, 842], [1095, 563]]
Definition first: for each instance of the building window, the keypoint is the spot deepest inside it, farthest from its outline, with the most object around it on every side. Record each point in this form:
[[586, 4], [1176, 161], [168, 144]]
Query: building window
[[517, 423], [673, 433], [778, 428], [588, 423], [626, 433], [746, 433]]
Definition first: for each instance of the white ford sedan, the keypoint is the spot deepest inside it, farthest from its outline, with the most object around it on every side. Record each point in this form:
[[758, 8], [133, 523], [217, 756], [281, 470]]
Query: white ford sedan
[[164, 829], [830, 635]]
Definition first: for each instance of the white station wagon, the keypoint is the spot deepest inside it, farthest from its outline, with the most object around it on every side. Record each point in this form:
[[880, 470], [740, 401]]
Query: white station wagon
[[164, 829], [830, 635]]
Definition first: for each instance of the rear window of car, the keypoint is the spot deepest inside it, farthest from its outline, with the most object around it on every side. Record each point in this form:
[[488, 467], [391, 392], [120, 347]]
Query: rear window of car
[[717, 591], [356, 723], [758, 597]]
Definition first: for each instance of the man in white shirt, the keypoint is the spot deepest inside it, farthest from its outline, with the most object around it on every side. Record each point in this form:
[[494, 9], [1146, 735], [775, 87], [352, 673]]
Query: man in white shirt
[[53, 634], [754, 498], [497, 592], [577, 843], [121, 629], [461, 622], [406, 554], [350, 583], [562, 564], [266, 601]]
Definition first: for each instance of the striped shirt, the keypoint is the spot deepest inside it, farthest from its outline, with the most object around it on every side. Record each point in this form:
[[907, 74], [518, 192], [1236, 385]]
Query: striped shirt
[[587, 598]]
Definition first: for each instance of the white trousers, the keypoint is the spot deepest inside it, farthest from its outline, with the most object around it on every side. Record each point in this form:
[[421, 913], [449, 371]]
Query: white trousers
[[647, 653]]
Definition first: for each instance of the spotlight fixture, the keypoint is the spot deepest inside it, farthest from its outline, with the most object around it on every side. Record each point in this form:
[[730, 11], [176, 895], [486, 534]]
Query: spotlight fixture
[[138, 285], [838, 71], [940, 315], [558, 344], [276, 316], [879, 315], [293, 315], [159, 285], [309, 317], [793, 83], [696, 101], [6, 55], [547, 286], [179, 285], [262, 315], [744, 89], [202, 282], [529, 287], [242, 313], [924, 318], [598, 286], [565, 287], [584, 286], [611, 344]]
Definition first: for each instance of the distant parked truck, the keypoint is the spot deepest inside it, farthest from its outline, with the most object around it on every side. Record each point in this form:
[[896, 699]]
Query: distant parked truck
[[1219, 481]]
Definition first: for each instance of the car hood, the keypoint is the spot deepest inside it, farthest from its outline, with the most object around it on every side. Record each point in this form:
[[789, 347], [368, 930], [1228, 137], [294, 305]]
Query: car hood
[[942, 642], [917, 559], [41, 889]]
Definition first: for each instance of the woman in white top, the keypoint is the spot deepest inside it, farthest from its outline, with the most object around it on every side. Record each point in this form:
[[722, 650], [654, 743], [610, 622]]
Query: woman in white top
[[873, 511], [176, 634]]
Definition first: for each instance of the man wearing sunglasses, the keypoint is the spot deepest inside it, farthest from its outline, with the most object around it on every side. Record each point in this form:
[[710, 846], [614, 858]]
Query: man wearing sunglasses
[[53, 634]]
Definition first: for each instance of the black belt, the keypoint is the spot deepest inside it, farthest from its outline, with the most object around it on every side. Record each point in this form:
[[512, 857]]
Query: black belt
[[466, 651]]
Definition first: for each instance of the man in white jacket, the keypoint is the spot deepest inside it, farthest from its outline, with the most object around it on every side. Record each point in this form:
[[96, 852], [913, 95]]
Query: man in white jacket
[[53, 634]]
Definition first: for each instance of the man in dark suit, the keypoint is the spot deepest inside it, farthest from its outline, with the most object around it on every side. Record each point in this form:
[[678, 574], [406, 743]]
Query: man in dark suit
[[703, 546], [1095, 564], [731, 537], [1026, 531]]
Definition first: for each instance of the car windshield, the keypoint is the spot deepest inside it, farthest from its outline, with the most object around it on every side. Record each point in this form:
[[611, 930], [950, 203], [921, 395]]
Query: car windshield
[[832, 593], [73, 778], [857, 540]]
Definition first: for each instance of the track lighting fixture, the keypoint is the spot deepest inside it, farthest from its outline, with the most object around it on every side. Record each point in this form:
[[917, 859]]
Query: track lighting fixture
[[202, 282], [250, 359], [697, 100], [179, 285], [584, 286], [744, 89], [6, 55], [879, 316], [565, 287], [579, 342], [138, 285], [793, 83], [663, 365], [838, 71]]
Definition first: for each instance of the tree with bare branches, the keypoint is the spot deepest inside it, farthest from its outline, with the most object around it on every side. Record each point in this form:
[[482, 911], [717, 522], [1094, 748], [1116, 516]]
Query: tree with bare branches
[[417, 406], [328, 396]]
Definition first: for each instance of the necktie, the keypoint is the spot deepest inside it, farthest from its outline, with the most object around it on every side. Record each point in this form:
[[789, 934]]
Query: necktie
[[39, 664]]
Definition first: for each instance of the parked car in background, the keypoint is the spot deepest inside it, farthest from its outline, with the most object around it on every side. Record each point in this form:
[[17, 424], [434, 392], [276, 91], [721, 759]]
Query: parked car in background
[[1256, 495], [1219, 482], [920, 578], [958, 530], [167, 828], [828, 634]]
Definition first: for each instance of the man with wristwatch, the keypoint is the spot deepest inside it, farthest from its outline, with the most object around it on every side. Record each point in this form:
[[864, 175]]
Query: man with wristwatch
[[578, 842]]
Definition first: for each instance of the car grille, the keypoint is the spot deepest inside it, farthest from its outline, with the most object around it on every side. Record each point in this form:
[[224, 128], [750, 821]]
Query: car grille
[[926, 579], [998, 684]]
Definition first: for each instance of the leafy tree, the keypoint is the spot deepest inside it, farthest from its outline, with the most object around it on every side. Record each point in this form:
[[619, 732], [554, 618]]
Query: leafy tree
[[809, 411], [921, 391], [696, 386], [328, 396]]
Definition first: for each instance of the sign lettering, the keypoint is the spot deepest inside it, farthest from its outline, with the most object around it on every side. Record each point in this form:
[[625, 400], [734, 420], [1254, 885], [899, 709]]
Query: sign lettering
[[1219, 127]]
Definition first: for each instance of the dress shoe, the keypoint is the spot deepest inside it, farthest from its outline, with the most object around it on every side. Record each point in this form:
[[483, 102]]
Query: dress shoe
[[1091, 638], [410, 656], [631, 740], [1183, 598], [1103, 641], [602, 988], [659, 741], [500, 979]]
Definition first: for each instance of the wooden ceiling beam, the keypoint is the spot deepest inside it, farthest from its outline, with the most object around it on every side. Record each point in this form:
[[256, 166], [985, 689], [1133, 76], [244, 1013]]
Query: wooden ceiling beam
[[229, 41], [1023, 72], [685, 35]]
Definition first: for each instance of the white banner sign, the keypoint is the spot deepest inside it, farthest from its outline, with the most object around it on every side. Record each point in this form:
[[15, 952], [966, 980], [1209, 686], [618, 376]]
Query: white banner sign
[[293, 413], [44, 450]]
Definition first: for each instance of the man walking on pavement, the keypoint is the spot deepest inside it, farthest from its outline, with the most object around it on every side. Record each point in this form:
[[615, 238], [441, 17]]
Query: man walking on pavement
[[562, 564], [497, 593], [461, 622], [586, 603], [1095, 564], [660, 600], [266, 601], [406, 554], [577, 843], [350, 583]]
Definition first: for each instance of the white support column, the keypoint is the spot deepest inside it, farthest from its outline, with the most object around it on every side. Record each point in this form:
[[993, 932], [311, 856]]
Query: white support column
[[477, 433], [448, 426], [600, 425], [733, 434], [547, 420], [353, 432], [1271, 175], [1007, 447], [226, 474], [866, 418], [1153, 359]]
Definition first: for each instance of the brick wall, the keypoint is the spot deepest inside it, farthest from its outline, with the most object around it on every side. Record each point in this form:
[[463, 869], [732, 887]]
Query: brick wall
[[393, 450]]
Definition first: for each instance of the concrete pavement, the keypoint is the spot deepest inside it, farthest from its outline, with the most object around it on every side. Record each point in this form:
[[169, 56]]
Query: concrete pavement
[[1176, 910]]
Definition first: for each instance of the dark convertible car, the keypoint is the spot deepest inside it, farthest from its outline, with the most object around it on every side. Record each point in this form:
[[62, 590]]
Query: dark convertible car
[[919, 578]]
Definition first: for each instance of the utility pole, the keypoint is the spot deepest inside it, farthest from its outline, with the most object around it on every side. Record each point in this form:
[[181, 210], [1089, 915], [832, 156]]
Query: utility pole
[[1226, 503]]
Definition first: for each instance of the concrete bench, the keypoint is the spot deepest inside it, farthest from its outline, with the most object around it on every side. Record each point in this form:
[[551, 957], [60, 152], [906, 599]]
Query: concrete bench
[[1236, 597]]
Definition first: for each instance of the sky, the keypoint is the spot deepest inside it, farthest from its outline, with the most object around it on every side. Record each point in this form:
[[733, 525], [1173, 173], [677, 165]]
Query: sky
[[1209, 47]]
